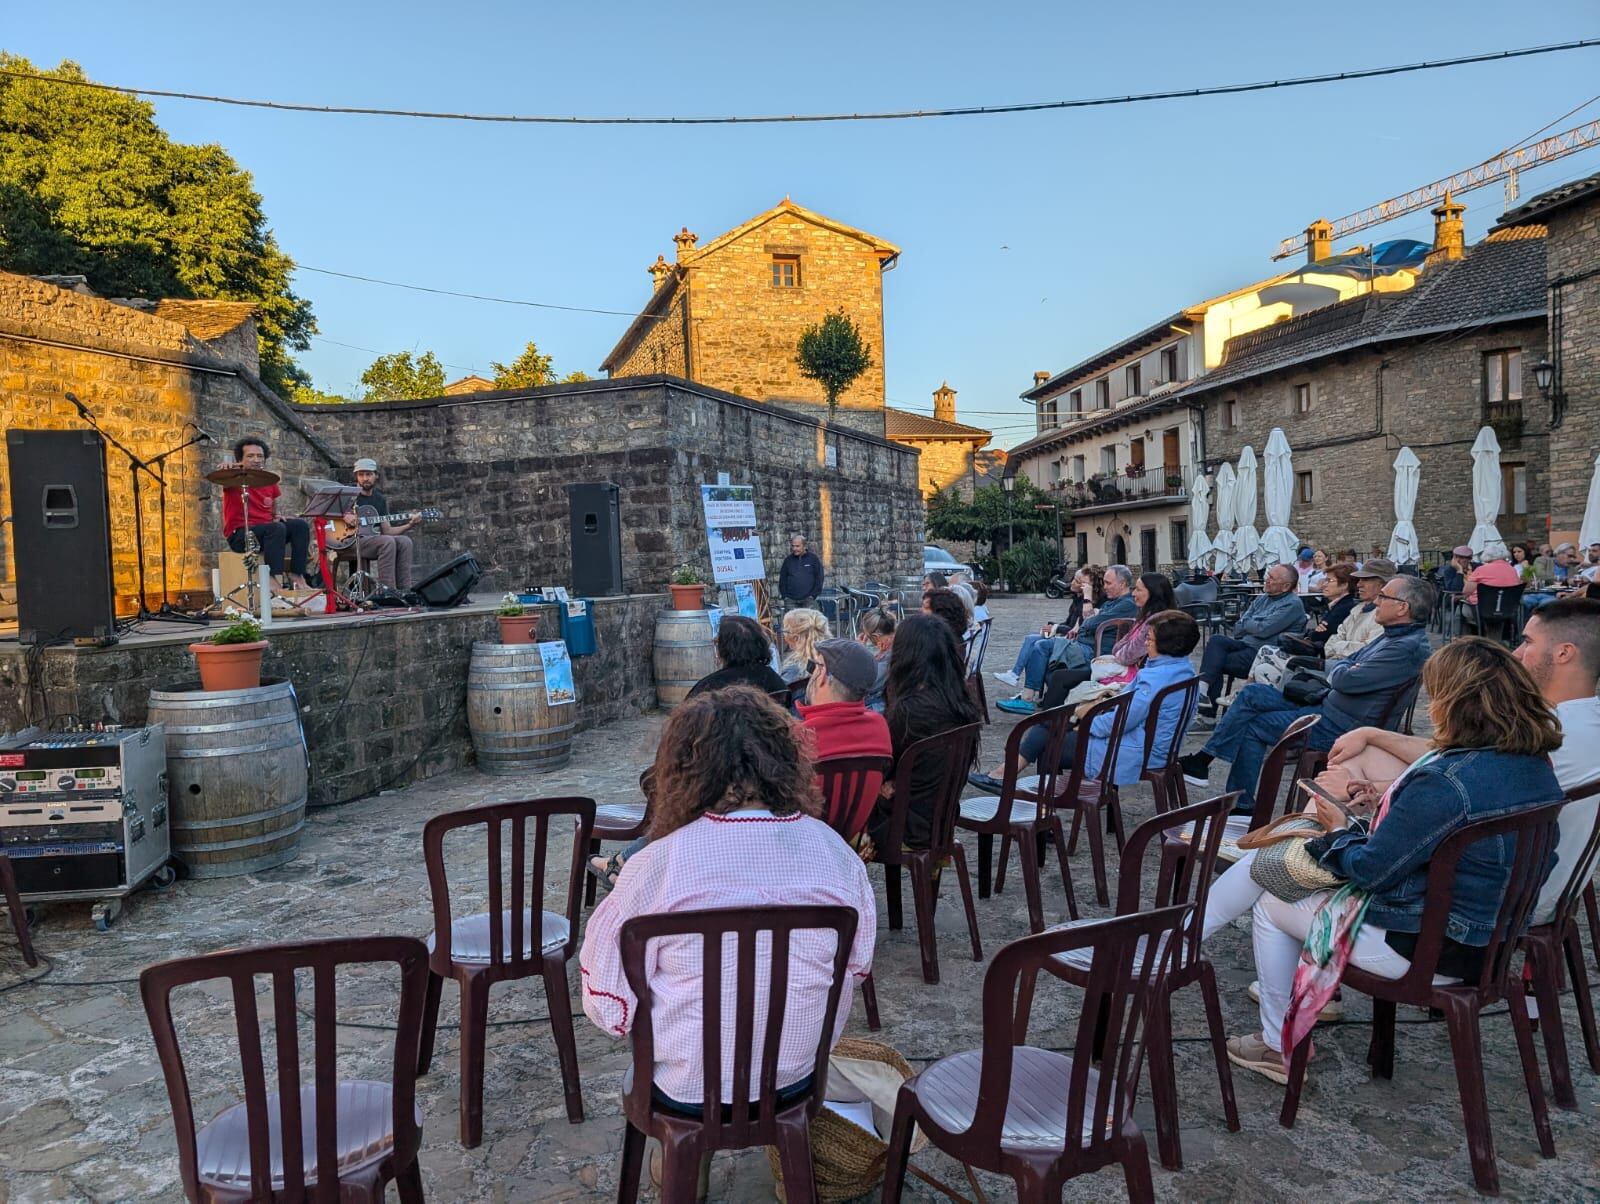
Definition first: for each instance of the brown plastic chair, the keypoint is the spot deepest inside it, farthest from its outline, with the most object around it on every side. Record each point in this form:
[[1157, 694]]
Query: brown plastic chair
[[850, 786], [1039, 1116], [975, 650], [1088, 797], [760, 1112], [619, 822], [502, 943], [1534, 831], [18, 913], [275, 1145], [1166, 783], [1025, 811], [1545, 945], [1188, 883], [1270, 787], [1115, 629], [957, 748]]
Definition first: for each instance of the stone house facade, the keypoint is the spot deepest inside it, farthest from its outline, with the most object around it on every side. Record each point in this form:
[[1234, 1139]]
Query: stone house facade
[[729, 314], [952, 453]]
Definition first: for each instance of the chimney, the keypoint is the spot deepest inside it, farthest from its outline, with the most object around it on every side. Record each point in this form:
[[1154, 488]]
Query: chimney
[[1319, 241], [685, 242], [944, 403], [1039, 378], [1448, 233], [659, 270]]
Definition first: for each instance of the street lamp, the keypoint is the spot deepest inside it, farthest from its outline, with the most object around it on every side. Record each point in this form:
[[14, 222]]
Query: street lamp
[[1008, 483], [1544, 372]]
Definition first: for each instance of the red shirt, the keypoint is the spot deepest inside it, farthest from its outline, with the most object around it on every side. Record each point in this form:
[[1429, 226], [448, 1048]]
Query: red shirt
[[263, 508], [848, 729], [1494, 572]]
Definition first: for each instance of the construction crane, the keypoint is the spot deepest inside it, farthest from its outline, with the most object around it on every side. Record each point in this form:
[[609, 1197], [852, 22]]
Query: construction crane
[[1502, 167]]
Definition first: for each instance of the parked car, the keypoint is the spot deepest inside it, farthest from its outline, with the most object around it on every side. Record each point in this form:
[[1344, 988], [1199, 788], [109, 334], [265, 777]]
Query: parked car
[[937, 560]]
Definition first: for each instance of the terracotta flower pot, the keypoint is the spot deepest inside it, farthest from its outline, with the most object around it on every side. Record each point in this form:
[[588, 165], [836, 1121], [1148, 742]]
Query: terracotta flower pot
[[688, 597], [518, 629], [229, 666]]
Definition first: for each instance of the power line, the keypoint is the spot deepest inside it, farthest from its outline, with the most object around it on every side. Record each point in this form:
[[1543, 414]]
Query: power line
[[795, 118], [444, 292]]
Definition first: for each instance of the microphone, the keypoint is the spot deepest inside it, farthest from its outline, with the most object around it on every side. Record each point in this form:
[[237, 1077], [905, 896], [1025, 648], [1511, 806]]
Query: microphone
[[77, 405], [205, 435]]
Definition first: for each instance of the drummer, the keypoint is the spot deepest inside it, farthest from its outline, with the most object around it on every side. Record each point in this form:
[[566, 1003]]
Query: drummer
[[274, 534]]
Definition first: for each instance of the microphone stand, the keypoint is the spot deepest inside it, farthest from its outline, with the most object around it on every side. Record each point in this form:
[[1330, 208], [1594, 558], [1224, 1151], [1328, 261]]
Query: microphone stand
[[157, 468]]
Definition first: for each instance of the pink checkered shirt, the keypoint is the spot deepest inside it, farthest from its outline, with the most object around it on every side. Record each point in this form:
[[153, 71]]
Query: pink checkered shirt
[[747, 859]]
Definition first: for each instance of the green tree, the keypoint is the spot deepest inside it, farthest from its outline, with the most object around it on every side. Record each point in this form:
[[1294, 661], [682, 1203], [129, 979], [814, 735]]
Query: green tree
[[402, 375], [990, 515], [90, 184], [530, 370], [306, 395], [833, 354], [575, 377]]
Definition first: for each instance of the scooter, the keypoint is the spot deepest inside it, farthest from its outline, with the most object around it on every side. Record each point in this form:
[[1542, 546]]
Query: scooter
[[1060, 582]]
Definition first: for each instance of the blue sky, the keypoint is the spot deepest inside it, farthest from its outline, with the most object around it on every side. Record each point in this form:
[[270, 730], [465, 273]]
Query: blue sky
[[1028, 241]]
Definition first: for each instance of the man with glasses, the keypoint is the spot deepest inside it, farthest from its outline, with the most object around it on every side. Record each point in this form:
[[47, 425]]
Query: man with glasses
[[1360, 690]]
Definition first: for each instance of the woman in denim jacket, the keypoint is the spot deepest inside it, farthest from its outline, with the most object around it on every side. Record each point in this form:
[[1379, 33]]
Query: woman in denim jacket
[[1493, 732]]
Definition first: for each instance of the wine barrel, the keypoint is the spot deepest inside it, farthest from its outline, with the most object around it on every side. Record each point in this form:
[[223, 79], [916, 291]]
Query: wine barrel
[[236, 775], [685, 651], [515, 727]]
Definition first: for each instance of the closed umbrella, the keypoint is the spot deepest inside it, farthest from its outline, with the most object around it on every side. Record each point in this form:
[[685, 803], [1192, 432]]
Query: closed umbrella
[[1223, 543], [1407, 475], [1199, 512], [1278, 543], [1246, 539], [1590, 531], [1485, 490]]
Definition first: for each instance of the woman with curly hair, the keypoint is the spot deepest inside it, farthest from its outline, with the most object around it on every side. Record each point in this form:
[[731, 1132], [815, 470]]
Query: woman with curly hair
[[803, 630], [734, 825]]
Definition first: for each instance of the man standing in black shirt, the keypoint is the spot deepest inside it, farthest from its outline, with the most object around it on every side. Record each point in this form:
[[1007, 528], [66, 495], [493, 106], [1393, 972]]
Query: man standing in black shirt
[[387, 547], [800, 578]]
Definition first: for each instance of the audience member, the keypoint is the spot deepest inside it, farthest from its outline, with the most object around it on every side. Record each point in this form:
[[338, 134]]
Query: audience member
[[933, 581], [1275, 612], [1152, 594], [1310, 576], [745, 656], [980, 609], [948, 606], [1119, 604], [1360, 626], [1337, 583], [1492, 736], [1565, 561], [836, 715], [1086, 592], [1495, 570], [877, 633], [733, 826], [1452, 575], [1544, 565], [802, 629]]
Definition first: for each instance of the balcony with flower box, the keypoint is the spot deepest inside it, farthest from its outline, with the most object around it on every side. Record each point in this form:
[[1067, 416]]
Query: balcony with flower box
[[1137, 488]]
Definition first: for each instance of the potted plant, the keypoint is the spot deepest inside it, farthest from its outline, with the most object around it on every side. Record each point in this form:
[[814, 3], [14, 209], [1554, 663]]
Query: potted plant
[[231, 658], [688, 588], [516, 625]]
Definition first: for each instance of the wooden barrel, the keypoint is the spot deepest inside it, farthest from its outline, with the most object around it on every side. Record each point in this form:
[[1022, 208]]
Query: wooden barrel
[[236, 775], [515, 727], [685, 651]]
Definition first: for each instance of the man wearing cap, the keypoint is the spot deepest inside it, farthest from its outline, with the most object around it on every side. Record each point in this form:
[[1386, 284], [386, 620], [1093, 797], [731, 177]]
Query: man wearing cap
[[1360, 626], [835, 713], [1305, 567], [1451, 576], [388, 549]]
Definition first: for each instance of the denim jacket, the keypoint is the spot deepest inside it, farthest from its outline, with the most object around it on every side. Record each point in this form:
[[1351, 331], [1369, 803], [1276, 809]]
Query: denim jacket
[[1158, 673], [1454, 788]]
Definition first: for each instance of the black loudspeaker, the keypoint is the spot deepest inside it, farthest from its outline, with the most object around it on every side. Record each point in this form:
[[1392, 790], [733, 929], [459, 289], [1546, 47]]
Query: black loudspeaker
[[596, 539], [449, 585], [61, 533]]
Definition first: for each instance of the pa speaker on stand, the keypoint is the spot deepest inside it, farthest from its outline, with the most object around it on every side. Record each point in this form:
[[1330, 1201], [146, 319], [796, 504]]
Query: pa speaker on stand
[[596, 539]]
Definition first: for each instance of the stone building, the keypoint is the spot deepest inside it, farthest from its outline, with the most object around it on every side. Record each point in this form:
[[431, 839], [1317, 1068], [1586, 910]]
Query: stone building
[[1572, 277], [471, 383], [729, 314], [1352, 383], [953, 455]]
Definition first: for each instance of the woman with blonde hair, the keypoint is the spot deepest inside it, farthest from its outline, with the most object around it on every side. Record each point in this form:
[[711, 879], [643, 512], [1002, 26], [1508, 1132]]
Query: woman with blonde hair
[[803, 630]]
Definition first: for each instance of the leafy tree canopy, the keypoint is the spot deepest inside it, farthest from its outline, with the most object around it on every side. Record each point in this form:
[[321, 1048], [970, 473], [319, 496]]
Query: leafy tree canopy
[[402, 375], [987, 517], [90, 184], [532, 369], [833, 354]]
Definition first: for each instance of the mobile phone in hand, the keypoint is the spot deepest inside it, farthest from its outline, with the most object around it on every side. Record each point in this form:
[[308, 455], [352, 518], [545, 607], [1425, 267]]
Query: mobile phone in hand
[[1311, 788]]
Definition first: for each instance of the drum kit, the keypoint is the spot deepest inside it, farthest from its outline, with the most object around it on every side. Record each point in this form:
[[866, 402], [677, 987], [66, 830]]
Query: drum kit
[[244, 480]]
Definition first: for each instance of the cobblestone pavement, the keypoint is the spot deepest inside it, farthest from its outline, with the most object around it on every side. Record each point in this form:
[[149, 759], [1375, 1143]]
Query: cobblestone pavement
[[83, 1111]]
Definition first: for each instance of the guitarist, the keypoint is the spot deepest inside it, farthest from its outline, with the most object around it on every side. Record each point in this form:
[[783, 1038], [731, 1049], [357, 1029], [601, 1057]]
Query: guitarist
[[388, 548]]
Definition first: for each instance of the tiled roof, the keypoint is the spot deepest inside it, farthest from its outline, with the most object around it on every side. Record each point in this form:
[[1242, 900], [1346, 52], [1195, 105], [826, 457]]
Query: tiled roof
[[1548, 202], [1517, 233], [1155, 333], [206, 319], [472, 383], [903, 424]]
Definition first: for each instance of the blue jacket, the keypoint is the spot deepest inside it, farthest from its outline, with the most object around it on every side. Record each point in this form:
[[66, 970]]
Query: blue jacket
[[1117, 608], [1363, 682], [1452, 789], [1158, 673], [1267, 618]]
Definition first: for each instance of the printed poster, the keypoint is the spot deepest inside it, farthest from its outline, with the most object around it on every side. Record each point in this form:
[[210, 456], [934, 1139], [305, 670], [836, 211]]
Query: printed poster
[[715, 615], [745, 596], [730, 512], [558, 687]]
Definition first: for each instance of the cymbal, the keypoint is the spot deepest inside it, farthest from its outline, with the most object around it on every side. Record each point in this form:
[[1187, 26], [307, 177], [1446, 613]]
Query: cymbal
[[242, 478]]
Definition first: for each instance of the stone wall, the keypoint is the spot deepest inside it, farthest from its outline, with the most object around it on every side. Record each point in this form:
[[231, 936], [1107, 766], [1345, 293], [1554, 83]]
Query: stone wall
[[943, 463], [1573, 257], [1368, 404], [383, 696]]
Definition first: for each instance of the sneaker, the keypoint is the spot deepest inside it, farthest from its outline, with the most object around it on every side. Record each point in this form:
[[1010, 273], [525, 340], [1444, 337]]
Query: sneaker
[[984, 782], [1009, 678], [1195, 771], [1016, 706], [1252, 1053], [1204, 723]]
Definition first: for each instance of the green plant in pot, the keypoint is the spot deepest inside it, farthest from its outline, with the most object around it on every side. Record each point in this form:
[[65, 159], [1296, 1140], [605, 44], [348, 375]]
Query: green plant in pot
[[688, 588], [517, 626], [231, 658]]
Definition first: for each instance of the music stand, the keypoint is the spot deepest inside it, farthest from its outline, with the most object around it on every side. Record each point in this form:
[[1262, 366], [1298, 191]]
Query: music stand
[[331, 500]]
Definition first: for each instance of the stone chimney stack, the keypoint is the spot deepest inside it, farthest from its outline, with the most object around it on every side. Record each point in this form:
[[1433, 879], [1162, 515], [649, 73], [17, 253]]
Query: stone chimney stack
[[659, 270], [1319, 241], [1039, 378], [1449, 236], [685, 242], [944, 403]]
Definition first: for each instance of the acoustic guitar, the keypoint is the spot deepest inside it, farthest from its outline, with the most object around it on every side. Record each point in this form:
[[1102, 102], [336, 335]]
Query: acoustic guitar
[[342, 532]]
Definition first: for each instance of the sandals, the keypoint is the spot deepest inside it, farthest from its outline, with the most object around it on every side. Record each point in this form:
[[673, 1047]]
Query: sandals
[[606, 869]]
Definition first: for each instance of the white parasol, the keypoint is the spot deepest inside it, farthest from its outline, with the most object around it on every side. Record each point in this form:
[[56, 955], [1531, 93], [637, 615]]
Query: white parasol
[[1403, 547], [1485, 490], [1199, 513], [1222, 543], [1246, 539], [1589, 532], [1278, 544]]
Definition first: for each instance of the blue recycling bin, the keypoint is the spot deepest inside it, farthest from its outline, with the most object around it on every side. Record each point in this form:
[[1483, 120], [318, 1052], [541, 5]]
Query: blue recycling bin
[[578, 629]]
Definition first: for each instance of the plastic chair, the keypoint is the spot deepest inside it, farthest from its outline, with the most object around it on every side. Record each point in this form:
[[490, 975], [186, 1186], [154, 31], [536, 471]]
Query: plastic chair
[[1039, 1116], [18, 913], [957, 748], [1025, 811], [850, 787], [1107, 635], [502, 944], [1533, 830], [623, 822], [976, 648], [1089, 796], [766, 1119], [1500, 605], [276, 1146], [1189, 884], [1166, 783]]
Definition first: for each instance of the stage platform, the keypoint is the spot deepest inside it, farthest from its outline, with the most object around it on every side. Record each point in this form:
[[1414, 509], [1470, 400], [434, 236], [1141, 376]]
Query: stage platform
[[382, 693]]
